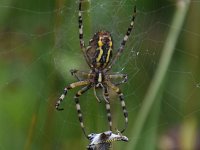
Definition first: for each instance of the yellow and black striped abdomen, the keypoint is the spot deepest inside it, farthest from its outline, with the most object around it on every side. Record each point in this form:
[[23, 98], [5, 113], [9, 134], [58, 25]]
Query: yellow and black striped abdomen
[[100, 48], [104, 48], [103, 56]]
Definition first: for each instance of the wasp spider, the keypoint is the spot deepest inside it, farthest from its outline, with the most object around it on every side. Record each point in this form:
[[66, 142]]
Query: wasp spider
[[98, 56]]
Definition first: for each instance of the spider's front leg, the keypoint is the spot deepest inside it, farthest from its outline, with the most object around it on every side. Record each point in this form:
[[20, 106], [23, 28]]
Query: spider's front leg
[[123, 105], [71, 86], [78, 107], [107, 99]]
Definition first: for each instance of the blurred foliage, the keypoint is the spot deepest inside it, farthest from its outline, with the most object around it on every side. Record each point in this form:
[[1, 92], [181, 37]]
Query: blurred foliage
[[39, 45]]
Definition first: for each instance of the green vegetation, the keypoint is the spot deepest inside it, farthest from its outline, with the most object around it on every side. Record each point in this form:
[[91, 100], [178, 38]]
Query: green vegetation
[[39, 45]]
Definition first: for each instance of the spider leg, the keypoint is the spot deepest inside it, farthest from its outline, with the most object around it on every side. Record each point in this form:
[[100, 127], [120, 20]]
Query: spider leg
[[71, 86], [80, 25], [78, 107], [123, 43], [80, 22], [106, 97], [80, 74], [123, 105], [124, 78]]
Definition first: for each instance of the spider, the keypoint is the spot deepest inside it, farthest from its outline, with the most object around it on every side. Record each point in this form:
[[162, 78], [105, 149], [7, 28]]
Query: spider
[[98, 56]]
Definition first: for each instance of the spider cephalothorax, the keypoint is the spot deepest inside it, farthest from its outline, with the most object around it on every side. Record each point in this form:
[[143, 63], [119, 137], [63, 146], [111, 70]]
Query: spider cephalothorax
[[98, 56]]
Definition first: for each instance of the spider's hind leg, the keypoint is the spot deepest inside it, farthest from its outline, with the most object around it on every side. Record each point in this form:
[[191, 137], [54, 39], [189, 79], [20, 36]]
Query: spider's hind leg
[[125, 39], [80, 27]]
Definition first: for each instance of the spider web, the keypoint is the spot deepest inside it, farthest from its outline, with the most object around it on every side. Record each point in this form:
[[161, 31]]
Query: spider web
[[39, 45]]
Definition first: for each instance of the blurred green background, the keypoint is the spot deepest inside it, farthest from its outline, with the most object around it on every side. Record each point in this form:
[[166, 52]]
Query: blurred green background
[[39, 45]]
